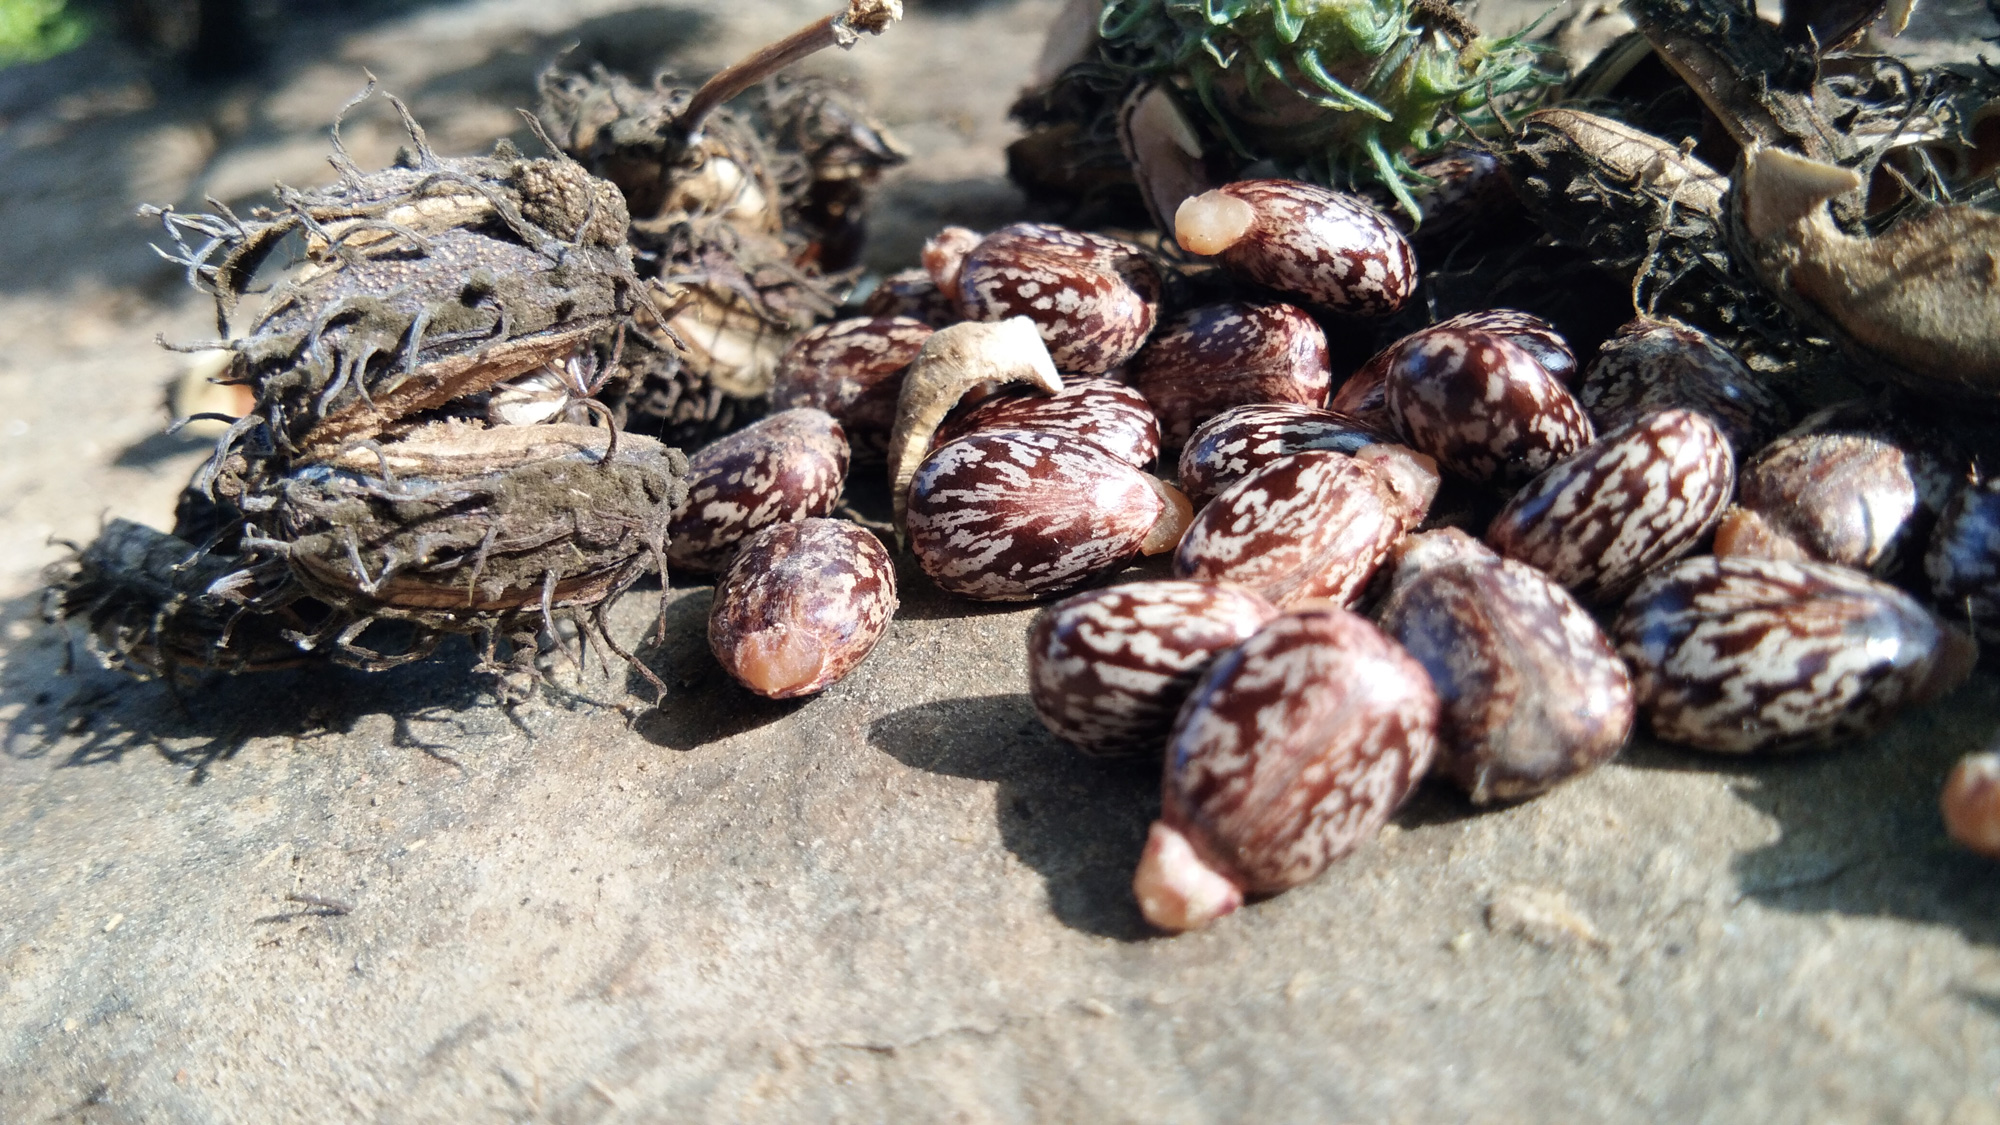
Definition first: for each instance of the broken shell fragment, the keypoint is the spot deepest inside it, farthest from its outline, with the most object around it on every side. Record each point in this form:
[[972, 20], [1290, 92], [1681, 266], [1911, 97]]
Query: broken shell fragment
[[1108, 669], [1916, 303], [789, 466], [1292, 751], [801, 605]]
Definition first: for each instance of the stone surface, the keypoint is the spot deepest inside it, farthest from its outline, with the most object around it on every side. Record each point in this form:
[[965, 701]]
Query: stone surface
[[333, 896]]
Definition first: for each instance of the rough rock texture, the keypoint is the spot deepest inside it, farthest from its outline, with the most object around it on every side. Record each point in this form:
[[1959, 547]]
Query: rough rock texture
[[900, 900]]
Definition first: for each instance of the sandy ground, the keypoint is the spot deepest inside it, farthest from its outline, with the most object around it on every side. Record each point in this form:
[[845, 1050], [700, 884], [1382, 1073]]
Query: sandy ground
[[340, 896]]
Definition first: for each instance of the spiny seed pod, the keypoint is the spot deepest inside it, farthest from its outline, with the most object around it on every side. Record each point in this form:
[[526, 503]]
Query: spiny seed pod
[[1329, 248], [1308, 525], [420, 284], [1238, 441], [1971, 803], [1108, 669], [1467, 190], [1103, 413], [1365, 393], [1291, 752], [852, 369], [1483, 405], [1093, 299], [1013, 515], [155, 605], [456, 526], [1643, 495], [1657, 364], [1532, 692], [1845, 486], [1963, 563], [789, 466], [800, 605], [1741, 654], [1213, 357]]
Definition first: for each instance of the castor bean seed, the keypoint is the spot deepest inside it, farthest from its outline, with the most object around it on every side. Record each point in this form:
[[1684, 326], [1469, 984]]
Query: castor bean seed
[[1238, 441], [1093, 299], [800, 605], [1643, 495], [1213, 357], [1329, 248], [852, 369], [1292, 750], [1742, 654], [1108, 669], [1658, 364], [1963, 563], [1970, 803], [1482, 404], [1102, 413], [788, 466]]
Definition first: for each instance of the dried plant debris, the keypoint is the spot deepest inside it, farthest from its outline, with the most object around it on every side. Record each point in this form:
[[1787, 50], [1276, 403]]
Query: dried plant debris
[[743, 218], [419, 284]]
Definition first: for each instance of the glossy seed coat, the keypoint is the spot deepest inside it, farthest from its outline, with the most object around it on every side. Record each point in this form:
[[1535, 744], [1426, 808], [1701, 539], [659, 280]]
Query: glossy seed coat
[[1658, 365], [1483, 405], [1294, 749], [1642, 496], [1102, 413], [852, 369], [1743, 654], [1093, 299], [1324, 246], [1108, 669], [1213, 357], [1532, 692], [800, 605], [1963, 563], [788, 466], [1236, 442]]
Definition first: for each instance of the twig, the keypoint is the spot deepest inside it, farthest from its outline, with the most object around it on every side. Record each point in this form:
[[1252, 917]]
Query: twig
[[872, 17]]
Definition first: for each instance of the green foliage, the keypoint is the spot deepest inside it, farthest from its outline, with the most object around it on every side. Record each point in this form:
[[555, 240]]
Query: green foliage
[[36, 29], [1343, 90]]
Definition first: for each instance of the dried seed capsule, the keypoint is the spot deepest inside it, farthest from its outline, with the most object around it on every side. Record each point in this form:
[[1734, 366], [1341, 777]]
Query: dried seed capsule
[[456, 525], [1108, 669], [1532, 692], [800, 605], [1643, 495], [1482, 404], [853, 370], [1971, 803], [911, 293], [1291, 752], [1213, 357], [1102, 413], [1845, 486], [1329, 248], [420, 284], [789, 466], [1238, 441], [1741, 654], [1658, 364], [1365, 393], [1306, 525], [1012, 515], [1093, 299], [1963, 563]]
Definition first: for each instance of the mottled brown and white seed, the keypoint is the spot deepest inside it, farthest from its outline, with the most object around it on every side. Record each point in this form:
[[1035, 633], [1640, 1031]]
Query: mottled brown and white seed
[[1014, 515], [1102, 413], [852, 369], [1532, 692], [1971, 803], [913, 294], [1848, 485], [1234, 443], [1365, 393], [1643, 495], [1093, 299], [788, 466], [1108, 669], [1213, 357], [1293, 750], [1742, 654], [944, 255], [800, 605], [1963, 563], [1483, 405], [1324, 246], [1659, 364], [1307, 525]]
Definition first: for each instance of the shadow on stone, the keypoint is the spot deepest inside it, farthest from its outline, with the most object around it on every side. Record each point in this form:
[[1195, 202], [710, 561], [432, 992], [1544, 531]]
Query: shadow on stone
[[1862, 835], [1078, 822], [703, 704]]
